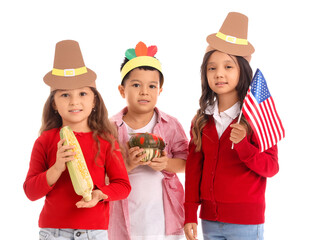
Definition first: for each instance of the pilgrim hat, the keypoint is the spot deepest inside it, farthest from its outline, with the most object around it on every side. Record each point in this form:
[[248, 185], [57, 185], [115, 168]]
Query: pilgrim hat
[[69, 70], [232, 36]]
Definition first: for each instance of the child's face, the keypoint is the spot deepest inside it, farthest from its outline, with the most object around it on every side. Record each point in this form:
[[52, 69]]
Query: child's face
[[223, 74], [75, 106], [141, 90]]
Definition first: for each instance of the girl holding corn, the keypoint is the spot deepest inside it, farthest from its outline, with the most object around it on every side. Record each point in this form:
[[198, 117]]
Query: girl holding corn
[[75, 102]]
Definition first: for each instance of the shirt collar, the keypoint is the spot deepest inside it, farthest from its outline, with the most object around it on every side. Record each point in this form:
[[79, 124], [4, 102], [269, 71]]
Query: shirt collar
[[232, 112], [118, 118], [161, 115]]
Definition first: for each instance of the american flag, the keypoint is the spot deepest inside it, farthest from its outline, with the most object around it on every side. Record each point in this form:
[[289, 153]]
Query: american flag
[[260, 111]]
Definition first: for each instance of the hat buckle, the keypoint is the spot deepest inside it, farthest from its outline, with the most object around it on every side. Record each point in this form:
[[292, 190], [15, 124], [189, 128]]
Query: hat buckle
[[70, 72], [231, 39]]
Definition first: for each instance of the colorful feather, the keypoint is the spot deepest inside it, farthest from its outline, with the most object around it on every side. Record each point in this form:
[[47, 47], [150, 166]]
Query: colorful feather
[[152, 50], [141, 49], [130, 53]]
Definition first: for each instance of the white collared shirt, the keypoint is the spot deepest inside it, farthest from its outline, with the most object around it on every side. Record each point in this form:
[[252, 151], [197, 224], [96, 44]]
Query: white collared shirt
[[223, 119]]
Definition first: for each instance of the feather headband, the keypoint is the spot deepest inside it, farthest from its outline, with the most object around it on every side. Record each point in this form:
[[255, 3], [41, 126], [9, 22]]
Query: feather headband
[[140, 56]]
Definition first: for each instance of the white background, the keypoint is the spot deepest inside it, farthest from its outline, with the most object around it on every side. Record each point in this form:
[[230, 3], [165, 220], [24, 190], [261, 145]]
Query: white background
[[281, 32]]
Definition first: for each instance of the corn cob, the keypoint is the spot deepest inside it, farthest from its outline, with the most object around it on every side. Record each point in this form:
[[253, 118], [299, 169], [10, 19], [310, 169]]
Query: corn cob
[[80, 176]]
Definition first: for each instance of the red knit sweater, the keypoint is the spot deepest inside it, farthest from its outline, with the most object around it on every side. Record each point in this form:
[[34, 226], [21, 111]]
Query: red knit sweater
[[59, 210], [229, 184]]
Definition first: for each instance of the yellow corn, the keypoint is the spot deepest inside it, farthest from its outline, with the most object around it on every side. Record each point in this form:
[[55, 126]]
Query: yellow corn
[[80, 176]]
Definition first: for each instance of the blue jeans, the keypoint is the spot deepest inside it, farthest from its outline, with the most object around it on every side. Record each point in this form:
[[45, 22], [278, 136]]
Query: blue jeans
[[227, 231], [72, 234]]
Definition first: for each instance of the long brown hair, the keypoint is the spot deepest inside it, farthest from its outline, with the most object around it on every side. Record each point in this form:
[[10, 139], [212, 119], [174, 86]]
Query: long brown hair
[[208, 97], [98, 120]]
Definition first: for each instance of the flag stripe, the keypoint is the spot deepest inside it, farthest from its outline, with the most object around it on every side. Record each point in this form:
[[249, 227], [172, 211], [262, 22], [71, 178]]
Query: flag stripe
[[269, 131], [248, 112], [260, 119], [273, 132], [277, 120], [274, 123], [265, 123]]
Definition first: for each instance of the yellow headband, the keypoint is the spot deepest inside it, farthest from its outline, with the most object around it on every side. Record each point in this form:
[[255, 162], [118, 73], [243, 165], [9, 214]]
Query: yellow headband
[[139, 62], [232, 39]]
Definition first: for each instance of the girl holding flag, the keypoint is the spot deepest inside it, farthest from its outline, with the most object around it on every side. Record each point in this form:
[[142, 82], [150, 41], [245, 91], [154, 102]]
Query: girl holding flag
[[229, 183]]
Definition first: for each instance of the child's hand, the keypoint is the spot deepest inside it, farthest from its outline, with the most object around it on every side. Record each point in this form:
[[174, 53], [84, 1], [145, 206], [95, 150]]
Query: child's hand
[[238, 132], [135, 155], [191, 231], [63, 156], [159, 164], [97, 195]]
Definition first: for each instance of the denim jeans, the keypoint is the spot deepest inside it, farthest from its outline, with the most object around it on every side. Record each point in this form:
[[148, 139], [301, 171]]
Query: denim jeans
[[227, 231], [72, 234]]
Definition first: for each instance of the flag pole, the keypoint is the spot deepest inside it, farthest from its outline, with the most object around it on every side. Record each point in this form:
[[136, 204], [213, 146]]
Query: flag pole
[[232, 146]]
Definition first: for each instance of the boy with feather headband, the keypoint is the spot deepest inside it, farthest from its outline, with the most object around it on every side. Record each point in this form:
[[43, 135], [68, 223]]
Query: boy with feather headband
[[154, 209]]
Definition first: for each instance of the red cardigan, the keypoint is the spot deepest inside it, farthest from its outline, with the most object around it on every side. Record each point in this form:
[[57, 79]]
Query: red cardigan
[[59, 210], [229, 184]]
